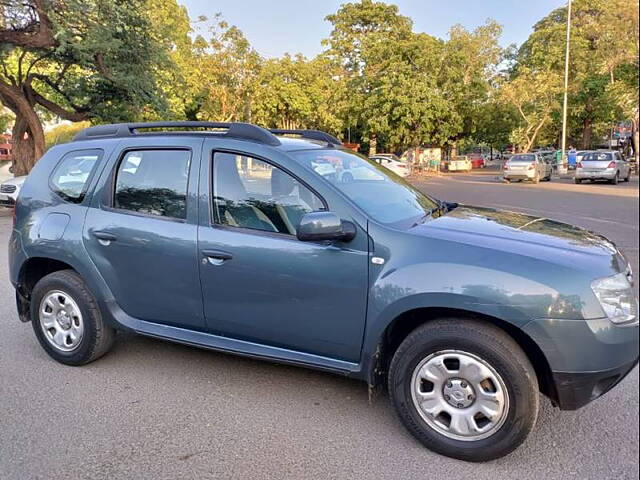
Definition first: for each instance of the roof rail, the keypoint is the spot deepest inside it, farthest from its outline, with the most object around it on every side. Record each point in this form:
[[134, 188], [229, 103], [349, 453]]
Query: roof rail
[[308, 134], [245, 131]]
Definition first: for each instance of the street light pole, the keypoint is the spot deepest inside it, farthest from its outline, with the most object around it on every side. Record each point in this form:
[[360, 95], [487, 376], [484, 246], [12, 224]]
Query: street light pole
[[561, 167]]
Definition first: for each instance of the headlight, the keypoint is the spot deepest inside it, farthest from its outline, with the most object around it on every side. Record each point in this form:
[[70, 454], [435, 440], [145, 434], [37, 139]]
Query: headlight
[[616, 297]]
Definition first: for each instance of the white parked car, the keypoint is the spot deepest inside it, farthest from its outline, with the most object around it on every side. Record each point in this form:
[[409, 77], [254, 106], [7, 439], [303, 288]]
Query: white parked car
[[392, 163], [460, 164], [9, 191]]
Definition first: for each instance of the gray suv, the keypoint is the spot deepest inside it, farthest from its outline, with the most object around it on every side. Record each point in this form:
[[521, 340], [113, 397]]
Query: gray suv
[[256, 242]]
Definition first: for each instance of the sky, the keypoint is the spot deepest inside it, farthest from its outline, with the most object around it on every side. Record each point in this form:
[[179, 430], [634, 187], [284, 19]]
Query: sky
[[297, 26]]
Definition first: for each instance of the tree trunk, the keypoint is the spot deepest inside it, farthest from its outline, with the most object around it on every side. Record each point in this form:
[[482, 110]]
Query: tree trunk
[[27, 134], [587, 131]]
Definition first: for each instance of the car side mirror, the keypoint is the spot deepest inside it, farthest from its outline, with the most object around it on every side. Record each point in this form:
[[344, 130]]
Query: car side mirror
[[319, 226]]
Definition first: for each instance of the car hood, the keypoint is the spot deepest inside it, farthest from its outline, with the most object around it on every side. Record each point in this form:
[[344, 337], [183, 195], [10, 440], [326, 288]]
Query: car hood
[[495, 225], [17, 181]]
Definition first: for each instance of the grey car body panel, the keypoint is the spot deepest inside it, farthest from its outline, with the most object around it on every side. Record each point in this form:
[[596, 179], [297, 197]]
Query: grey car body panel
[[530, 272]]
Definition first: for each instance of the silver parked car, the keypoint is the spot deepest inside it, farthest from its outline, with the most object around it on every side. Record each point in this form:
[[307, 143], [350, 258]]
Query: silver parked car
[[527, 166], [9, 191], [603, 165]]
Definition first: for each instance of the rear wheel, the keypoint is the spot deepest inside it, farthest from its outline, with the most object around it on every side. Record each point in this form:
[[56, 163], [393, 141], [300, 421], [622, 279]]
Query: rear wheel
[[464, 389], [577, 180], [628, 177], [615, 180], [66, 319]]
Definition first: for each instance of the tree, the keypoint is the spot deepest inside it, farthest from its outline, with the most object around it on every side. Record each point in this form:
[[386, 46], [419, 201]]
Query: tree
[[219, 73], [604, 41], [533, 94], [495, 122], [78, 60], [293, 92], [466, 75], [408, 89], [360, 30]]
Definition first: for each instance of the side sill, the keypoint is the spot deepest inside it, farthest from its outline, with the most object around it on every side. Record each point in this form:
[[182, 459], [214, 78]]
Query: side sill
[[234, 346]]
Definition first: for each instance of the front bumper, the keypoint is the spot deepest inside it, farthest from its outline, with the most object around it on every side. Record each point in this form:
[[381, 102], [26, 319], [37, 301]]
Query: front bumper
[[575, 390], [7, 201], [587, 358], [595, 175]]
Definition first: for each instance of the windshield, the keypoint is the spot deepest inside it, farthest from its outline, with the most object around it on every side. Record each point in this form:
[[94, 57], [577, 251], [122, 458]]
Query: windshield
[[384, 196], [597, 157], [523, 158]]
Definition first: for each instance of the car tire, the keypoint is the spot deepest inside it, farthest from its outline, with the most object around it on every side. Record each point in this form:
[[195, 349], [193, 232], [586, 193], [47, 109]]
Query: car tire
[[615, 180], [67, 321], [577, 181], [475, 340], [628, 177]]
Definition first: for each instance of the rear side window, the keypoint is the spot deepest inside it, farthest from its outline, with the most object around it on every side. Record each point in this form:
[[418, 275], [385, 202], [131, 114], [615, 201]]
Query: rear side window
[[153, 182], [71, 176]]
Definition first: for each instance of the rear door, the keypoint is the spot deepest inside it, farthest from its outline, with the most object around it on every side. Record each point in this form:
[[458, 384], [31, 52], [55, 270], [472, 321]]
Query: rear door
[[141, 231]]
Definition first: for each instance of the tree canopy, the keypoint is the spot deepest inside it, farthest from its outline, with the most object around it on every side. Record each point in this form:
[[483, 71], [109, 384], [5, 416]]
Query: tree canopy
[[377, 82]]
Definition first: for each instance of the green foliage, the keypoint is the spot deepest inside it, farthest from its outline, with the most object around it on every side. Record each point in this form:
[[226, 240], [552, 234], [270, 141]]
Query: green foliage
[[604, 45], [6, 119], [293, 92], [377, 82], [63, 133]]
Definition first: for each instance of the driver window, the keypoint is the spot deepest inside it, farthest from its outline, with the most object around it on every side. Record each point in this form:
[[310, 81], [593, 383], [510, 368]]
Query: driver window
[[251, 193]]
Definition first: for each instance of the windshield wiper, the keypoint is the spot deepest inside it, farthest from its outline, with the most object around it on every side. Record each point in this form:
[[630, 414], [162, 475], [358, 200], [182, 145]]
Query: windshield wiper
[[426, 216]]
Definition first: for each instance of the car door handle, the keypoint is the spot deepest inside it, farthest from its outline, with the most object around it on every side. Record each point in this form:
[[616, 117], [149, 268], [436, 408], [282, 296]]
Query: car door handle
[[105, 238], [216, 257]]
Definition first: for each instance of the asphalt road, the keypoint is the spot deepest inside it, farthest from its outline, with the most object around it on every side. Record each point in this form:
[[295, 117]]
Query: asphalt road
[[151, 409]]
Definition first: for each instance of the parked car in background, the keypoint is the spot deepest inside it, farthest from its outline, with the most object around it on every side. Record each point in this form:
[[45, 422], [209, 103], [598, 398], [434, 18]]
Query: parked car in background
[[527, 166], [392, 156], [465, 313], [477, 160], [603, 165], [9, 191], [460, 164], [392, 163], [579, 156]]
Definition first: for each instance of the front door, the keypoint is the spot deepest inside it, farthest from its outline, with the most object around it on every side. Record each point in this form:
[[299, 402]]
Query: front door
[[141, 232], [260, 283]]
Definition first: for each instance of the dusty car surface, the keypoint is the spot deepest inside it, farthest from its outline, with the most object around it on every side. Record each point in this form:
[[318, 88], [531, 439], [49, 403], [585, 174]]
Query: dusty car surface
[[253, 242]]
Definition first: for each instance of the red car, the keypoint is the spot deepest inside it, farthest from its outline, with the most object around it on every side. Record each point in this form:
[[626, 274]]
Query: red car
[[476, 160]]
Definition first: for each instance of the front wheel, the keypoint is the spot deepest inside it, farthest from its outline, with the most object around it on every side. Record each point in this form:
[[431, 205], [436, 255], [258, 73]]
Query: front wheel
[[67, 321], [464, 389]]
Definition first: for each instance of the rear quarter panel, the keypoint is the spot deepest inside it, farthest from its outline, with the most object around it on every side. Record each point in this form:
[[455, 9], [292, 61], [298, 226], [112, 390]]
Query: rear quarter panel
[[50, 227]]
